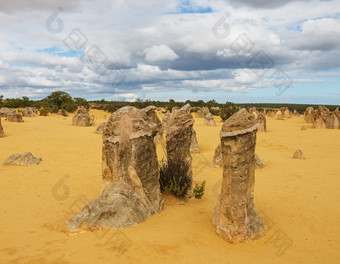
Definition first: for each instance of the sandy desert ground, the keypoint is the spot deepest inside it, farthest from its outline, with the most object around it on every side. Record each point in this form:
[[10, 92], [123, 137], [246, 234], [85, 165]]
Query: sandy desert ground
[[298, 200]]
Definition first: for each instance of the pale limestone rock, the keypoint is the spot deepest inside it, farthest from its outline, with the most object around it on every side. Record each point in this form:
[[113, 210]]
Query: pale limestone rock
[[201, 113], [14, 117], [82, 118], [194, 147], [2, 134], [261, 120], [299, 155], [131, 191], [22, 159], [209, 120], [178, 138], [235, 217], [217, 159]]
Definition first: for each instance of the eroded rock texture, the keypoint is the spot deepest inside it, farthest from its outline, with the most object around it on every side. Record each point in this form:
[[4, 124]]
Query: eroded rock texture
[[62, 112], [261, 120], [209, 120], [178, 137], [2, 134], [194, 147], [235, 217], [131, 191], [323, 118], [4, 111], [298, 154], [217, 159], [22, 159], [309, 115], [165, 122], [278, 115], [100, 128], [29, 112], [201, 113], [14, 117], [82, 117]]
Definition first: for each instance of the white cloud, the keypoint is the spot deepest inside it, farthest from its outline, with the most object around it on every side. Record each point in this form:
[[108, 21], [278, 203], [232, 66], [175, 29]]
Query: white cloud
[[159, 53]]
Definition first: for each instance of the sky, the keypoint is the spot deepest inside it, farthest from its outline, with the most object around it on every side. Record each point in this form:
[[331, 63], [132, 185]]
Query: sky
[[260, 51]]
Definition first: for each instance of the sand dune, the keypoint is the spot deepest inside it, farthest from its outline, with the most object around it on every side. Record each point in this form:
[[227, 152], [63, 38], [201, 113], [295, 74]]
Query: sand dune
[[298, 200]]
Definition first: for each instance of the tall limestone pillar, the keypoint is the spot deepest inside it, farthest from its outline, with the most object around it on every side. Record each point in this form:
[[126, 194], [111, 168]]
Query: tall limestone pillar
[[235, 217]]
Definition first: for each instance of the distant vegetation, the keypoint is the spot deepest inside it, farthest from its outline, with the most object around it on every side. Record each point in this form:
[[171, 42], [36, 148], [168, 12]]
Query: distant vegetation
[[52, 103], [62, 100]]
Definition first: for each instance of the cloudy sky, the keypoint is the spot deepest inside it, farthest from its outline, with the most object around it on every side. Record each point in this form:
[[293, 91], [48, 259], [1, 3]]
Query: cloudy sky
[[227, 50]]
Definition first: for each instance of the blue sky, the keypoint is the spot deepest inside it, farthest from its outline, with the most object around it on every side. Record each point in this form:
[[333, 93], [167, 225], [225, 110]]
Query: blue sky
[[225, 50]]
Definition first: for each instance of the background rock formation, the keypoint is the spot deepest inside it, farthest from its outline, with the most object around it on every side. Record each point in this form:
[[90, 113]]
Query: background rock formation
[[29, 112], [14, 117], [217, 159], [22, 159], [235, 217], [309, 115], [261, 120], [4, 111], [201, 113], [298, 154], [165, 122], [2, 134], [82, 117], [178, 137], [100, 128], [209, 120], [194, 147], [279, 115], [131, 191]]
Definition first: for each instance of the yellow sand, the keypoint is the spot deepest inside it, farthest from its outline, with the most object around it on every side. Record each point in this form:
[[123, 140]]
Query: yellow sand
[[297, 199]]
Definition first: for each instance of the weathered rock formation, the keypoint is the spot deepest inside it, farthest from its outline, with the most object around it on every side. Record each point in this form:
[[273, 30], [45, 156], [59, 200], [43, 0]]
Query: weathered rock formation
[[309, 115], [298, 154], [29, 112], [100, 128], [14, 117], [261, 120], [278, 115], [82, 117], [178, 137], [22, 159], [165, 122], [62, 112], [258, 162], [235, 217], [284, 111], [323, 118], [209, 120], [2, 134], [154, 118], [131, 191], [254, 112], [217, 159], [194, 147], [201, 113], [287, 114], [4, 111], [174, 109]]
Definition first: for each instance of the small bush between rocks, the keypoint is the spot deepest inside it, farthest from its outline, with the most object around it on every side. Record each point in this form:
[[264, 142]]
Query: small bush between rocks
[[199, 190], [174, 178]]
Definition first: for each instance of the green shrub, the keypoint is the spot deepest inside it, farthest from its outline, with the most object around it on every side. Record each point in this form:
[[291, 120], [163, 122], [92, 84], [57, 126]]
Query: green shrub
[[228, 110], [44, 111], [199, 190], [175, 178]]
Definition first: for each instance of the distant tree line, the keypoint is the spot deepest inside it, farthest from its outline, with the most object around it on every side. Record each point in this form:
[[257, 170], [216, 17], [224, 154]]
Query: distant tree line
[[60, 100]]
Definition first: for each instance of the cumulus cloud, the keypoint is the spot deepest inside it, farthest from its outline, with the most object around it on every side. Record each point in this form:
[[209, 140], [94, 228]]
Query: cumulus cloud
[[158, 46], [159, 53]]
